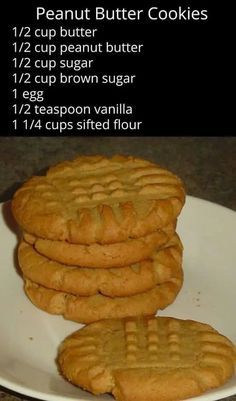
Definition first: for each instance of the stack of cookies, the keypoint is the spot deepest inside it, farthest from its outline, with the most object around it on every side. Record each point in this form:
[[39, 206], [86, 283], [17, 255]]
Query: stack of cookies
[[99, 238]]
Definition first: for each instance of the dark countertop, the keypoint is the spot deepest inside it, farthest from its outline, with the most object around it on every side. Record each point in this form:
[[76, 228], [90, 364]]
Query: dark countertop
[[206, 165]]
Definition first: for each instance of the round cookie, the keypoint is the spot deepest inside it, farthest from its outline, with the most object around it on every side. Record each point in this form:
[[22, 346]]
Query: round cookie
[[118, 282], [97, 307], [102, 256], [151, 358], [95, 199]]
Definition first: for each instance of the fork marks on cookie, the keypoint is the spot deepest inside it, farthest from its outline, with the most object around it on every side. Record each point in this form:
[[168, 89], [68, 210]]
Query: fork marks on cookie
[[131, 340]]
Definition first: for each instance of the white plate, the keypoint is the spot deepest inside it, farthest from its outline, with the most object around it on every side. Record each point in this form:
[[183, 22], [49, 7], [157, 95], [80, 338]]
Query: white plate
[[29, 337]]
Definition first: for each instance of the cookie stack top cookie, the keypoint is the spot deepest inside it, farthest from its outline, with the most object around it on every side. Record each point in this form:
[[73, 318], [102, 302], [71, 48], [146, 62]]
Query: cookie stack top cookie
[[95, 199]]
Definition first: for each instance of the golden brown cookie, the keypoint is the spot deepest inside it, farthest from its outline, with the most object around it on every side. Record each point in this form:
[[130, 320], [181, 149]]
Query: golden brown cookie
[[94, 199], [102, 256], [150, 358], [124, 281], [97, 307]]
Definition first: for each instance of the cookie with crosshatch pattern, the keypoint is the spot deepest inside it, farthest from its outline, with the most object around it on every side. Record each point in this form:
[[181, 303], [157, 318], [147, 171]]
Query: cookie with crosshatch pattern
[[96, 199], [150, 358], [163, 265]]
